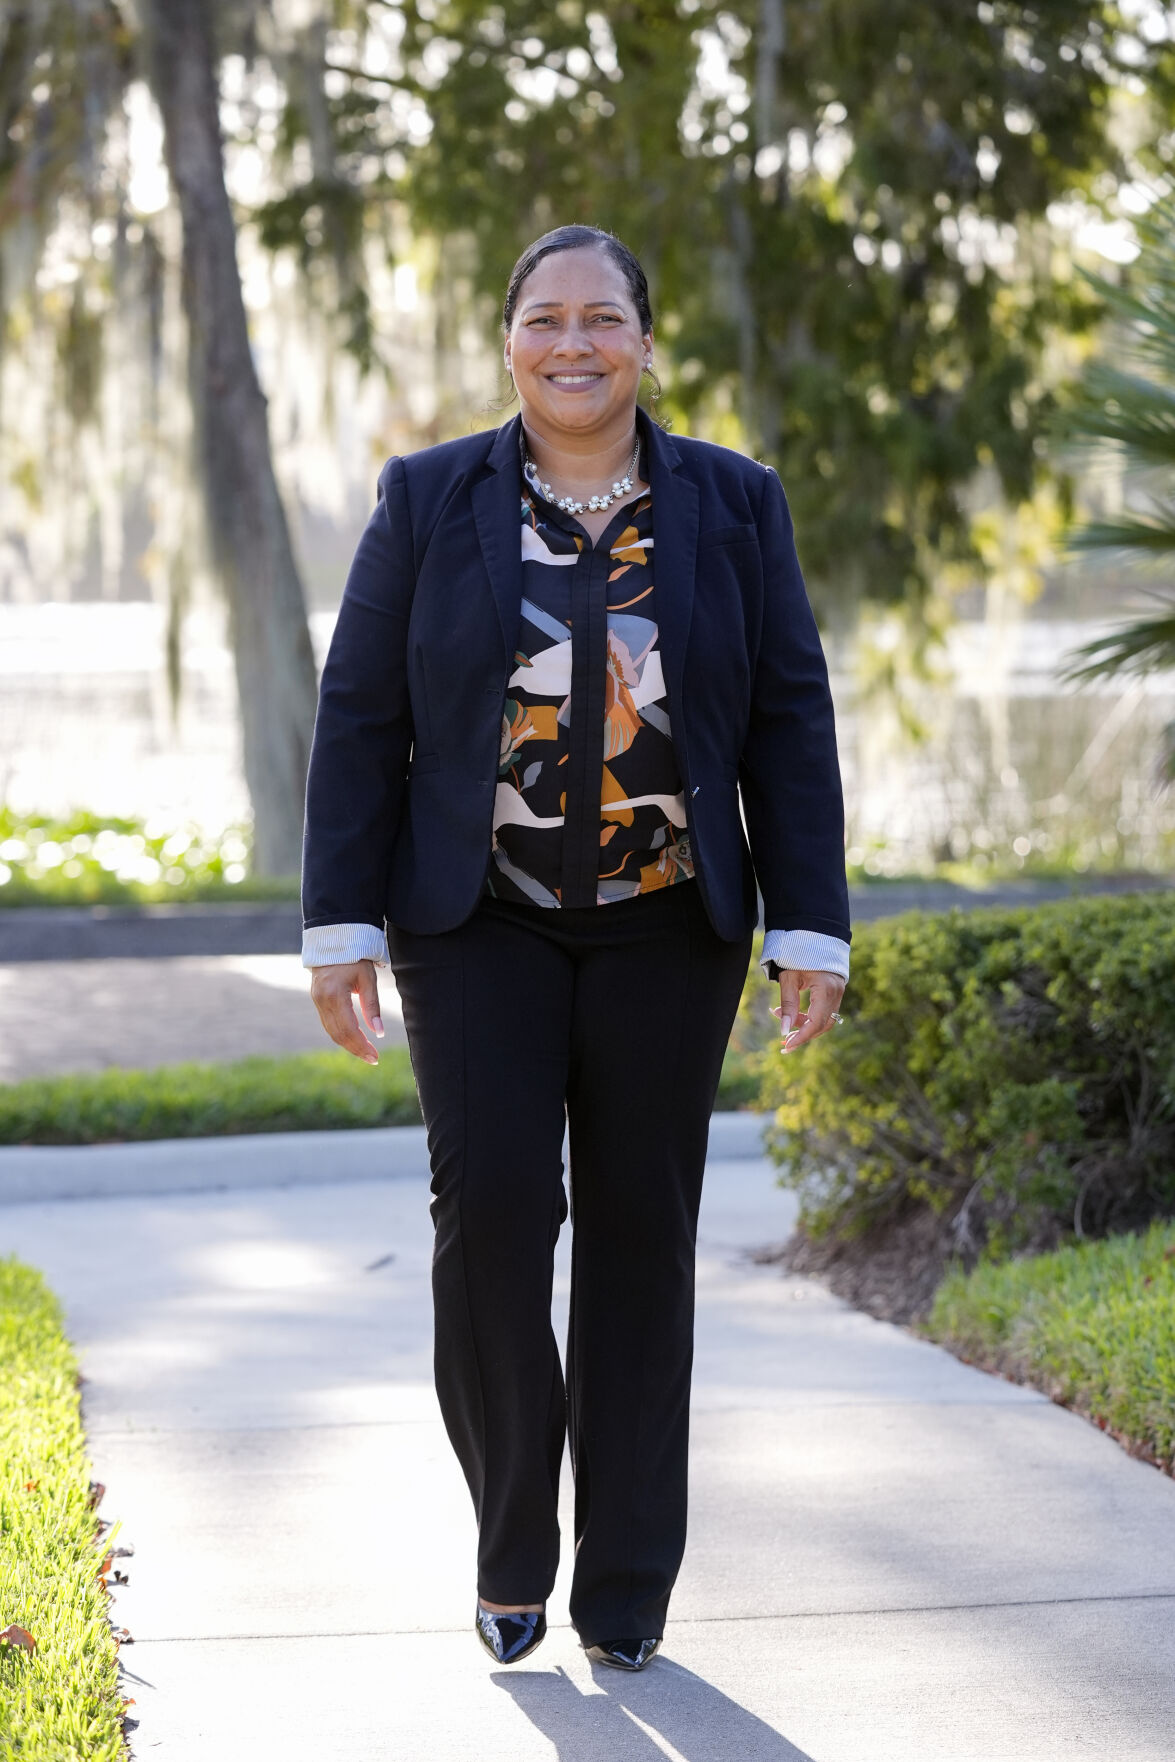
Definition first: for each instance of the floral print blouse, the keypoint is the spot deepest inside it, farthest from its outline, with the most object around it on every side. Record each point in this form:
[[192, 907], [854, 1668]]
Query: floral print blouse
[[589, 806]]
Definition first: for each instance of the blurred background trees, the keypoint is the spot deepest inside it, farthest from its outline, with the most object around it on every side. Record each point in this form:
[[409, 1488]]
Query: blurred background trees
[[67, 69], [861, 227]]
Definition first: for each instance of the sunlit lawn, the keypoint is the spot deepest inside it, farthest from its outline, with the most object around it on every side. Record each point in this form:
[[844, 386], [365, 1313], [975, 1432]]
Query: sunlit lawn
[[1092, 1325], [62, 1699]]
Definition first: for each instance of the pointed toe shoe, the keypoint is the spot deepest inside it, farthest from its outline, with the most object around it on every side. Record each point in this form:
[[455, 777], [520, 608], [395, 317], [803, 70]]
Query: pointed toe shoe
[[507, 1638], [623, 1654]]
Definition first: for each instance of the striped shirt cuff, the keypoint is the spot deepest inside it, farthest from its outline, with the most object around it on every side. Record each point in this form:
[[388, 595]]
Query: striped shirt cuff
[[807, 951], [336, 945]]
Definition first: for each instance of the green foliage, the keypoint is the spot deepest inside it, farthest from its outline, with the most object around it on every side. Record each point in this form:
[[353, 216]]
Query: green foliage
[[1092, 1325], [742, 1076], [60, 1703], [305, 1092], [1128, 406], [1011, 1070], [819, 215], [843, 211], [83, 858]]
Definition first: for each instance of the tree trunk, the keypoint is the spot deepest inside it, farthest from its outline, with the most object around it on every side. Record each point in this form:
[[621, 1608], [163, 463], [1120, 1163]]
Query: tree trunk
[[248, 537]]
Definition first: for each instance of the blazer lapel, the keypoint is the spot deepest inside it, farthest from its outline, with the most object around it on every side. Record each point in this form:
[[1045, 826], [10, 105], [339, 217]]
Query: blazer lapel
[[496, 501], [675, 544], [496, 497]]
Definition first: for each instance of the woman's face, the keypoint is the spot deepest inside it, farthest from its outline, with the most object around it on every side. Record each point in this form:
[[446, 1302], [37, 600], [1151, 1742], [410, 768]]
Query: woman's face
[[575, 346]]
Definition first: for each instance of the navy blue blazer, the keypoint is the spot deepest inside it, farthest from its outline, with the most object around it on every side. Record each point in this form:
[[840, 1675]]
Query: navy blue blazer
[[404, 763]]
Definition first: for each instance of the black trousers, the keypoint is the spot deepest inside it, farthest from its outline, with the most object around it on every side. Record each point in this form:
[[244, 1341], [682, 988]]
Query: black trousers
[[612, 1019]]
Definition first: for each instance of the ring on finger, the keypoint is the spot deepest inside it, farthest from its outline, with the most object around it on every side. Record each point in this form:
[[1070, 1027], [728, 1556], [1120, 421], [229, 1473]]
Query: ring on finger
[[834, 1017]]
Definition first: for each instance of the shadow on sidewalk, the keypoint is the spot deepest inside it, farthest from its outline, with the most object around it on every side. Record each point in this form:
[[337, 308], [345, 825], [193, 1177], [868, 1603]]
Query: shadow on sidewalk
[[665, 1709]]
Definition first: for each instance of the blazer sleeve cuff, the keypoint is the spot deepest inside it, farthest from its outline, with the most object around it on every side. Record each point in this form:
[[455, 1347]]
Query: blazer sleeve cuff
[[808, 951], [334, 945]]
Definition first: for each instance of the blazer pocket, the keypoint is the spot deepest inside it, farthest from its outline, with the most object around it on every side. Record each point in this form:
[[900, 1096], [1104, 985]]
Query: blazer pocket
[[728, 535], [423, 762]]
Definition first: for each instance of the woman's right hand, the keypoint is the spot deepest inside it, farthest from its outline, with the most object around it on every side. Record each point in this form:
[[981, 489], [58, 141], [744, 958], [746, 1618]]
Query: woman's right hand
[[332, 989]]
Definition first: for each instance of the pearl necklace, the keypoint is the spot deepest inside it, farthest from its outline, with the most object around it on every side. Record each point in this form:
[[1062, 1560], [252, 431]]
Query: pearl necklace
[[594, 504]]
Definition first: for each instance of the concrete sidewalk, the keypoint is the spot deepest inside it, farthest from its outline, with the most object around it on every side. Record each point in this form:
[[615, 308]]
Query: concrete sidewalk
[[58, 1016], [892, 1559]]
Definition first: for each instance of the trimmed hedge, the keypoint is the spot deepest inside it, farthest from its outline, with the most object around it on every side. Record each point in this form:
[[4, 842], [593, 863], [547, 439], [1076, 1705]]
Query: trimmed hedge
[[309, 1091], [1011, 1072], [302, 1092], [1092, 1325]]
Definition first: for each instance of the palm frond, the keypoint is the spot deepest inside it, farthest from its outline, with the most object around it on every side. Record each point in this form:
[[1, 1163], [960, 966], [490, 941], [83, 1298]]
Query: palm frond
[[1131, 411], [1147, 646], [1130, 402], [1147, 536], [1144, 304]]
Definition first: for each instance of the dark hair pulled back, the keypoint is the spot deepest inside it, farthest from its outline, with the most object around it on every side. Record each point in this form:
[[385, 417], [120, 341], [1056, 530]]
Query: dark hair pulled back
[[574, 238]]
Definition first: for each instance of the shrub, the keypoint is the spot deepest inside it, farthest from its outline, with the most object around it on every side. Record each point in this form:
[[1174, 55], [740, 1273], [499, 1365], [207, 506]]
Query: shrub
[[1011, 1072], [308, 1091], [82, 858]]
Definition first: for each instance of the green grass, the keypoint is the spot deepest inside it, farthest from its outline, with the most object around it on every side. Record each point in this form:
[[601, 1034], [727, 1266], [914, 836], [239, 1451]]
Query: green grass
[[1092, 1325], [305, 1092], [63, 1700], [309, 1091]]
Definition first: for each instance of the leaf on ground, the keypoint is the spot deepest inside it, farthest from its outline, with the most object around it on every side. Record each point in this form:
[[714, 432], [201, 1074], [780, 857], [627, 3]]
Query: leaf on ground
[[123, 1636], [31, 1486], [97, 1494], [19, 1636]]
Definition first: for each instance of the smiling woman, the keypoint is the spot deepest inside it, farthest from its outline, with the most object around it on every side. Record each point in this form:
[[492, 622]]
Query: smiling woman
[[577, 343], [524, 793]]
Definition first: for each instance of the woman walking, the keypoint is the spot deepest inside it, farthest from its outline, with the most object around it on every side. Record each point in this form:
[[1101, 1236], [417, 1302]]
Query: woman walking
[[564, 648]]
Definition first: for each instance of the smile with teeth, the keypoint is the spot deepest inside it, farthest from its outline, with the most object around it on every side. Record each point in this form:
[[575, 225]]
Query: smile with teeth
[[574, 378]]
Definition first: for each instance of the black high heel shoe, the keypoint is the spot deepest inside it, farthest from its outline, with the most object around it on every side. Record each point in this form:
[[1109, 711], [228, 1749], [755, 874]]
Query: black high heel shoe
[[623, 1654], [507, 1638]]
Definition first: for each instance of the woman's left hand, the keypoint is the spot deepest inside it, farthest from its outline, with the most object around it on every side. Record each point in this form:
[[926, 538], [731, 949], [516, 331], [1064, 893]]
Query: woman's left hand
[[797, 1026]]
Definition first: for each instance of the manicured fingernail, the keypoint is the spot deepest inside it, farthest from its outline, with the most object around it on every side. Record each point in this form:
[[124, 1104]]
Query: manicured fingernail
[[785, 1026], [377, 1024]]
